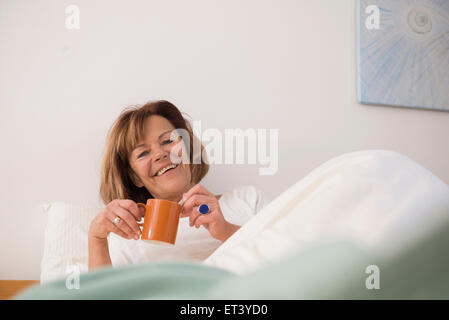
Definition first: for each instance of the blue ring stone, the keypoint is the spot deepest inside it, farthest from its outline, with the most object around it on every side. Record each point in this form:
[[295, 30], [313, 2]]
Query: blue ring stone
[[203, 209]]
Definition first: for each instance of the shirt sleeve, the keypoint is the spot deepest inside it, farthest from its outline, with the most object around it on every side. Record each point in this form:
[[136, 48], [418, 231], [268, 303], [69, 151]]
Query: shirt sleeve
[[261, 202], [255, 198], [242, 203]]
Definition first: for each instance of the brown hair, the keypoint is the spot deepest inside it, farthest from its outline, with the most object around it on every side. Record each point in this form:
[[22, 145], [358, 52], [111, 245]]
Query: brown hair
[[126, 132]]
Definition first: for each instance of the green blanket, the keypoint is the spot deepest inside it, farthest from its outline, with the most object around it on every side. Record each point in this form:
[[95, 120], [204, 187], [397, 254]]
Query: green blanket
[[331, 270]]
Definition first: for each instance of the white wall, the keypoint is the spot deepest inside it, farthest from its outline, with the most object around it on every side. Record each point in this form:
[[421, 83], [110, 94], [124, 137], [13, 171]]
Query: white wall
[[286, 64]]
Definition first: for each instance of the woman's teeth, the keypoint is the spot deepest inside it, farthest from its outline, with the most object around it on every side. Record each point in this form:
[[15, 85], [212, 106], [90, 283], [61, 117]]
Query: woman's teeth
[[162, 171]]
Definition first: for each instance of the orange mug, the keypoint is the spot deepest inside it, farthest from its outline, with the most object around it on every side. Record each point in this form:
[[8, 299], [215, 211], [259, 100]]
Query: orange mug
[[161, 219]]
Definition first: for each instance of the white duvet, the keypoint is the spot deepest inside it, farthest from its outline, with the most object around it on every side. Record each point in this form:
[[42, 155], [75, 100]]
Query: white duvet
[[380, 200]]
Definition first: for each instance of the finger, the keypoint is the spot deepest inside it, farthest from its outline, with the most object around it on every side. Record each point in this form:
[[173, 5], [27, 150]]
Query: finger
[[129, 218], [124, 228], [133, 208], [196, 189], [117, 230], [195, 200], [126, 221], [194, 217], [188, 205], [202, 220], [184, 213]]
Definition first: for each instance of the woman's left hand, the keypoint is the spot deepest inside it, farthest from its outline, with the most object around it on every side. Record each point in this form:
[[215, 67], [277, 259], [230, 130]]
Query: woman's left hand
[[213, 221]]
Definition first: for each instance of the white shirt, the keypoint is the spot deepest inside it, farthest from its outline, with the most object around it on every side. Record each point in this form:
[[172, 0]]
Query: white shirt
[[237, 205]]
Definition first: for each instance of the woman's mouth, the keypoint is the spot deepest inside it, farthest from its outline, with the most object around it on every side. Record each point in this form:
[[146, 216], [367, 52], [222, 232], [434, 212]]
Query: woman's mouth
[[168, 170]]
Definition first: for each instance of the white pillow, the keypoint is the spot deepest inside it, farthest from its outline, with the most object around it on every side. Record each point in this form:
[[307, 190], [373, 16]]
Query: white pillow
[[380, 200], [65, 244]]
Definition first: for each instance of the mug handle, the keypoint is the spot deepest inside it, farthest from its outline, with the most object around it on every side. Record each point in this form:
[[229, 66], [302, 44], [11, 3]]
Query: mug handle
[[140, 223]]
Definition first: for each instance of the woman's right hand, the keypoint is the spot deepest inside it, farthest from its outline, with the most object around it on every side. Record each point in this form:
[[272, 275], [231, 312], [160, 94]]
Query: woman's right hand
[[128, 212]]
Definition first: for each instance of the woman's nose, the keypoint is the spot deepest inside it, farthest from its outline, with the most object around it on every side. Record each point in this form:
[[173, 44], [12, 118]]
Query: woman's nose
[[161, 154]]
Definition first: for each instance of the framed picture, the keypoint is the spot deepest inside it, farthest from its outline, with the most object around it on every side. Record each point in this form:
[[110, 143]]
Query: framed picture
[[403, 53]]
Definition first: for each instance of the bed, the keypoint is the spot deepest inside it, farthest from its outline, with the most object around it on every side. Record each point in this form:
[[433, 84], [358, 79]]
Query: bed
[[320, 239]]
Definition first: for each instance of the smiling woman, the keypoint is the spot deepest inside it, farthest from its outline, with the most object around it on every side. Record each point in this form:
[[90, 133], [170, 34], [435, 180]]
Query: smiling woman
[[144, 159], [138, 132], [151, 160]]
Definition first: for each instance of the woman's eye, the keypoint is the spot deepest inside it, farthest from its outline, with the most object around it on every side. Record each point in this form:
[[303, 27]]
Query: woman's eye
[[142, 154], [167, 141]]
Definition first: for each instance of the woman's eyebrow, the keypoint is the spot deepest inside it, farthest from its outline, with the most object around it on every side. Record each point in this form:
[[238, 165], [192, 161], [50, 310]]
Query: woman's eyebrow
[[164, 133], [160, 136]]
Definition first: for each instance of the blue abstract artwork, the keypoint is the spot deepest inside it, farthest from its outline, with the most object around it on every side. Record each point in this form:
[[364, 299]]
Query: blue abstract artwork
[[403, 53]]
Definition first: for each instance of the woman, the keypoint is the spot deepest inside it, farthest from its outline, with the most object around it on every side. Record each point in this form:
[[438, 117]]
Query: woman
[[139, 150]]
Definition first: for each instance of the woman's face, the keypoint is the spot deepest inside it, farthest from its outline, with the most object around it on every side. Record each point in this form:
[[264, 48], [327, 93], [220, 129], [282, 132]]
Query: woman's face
[[153, 154]]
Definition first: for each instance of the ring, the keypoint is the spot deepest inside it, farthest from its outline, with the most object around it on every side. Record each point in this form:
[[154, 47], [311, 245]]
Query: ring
[[203, 209], [116, 221]]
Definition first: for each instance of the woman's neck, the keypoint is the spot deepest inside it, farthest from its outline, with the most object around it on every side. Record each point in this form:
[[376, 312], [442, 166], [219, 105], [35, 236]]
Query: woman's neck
[[178, 197]]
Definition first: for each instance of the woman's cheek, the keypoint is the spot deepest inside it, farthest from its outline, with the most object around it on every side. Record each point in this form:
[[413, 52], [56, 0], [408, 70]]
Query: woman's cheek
[[145, 172]]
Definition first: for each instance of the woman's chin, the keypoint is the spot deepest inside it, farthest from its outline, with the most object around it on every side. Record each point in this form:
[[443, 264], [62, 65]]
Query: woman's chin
[[173, 185], [173, 182]]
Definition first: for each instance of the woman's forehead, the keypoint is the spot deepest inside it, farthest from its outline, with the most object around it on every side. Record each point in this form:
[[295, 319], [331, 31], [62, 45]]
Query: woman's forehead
[[155, 128]]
